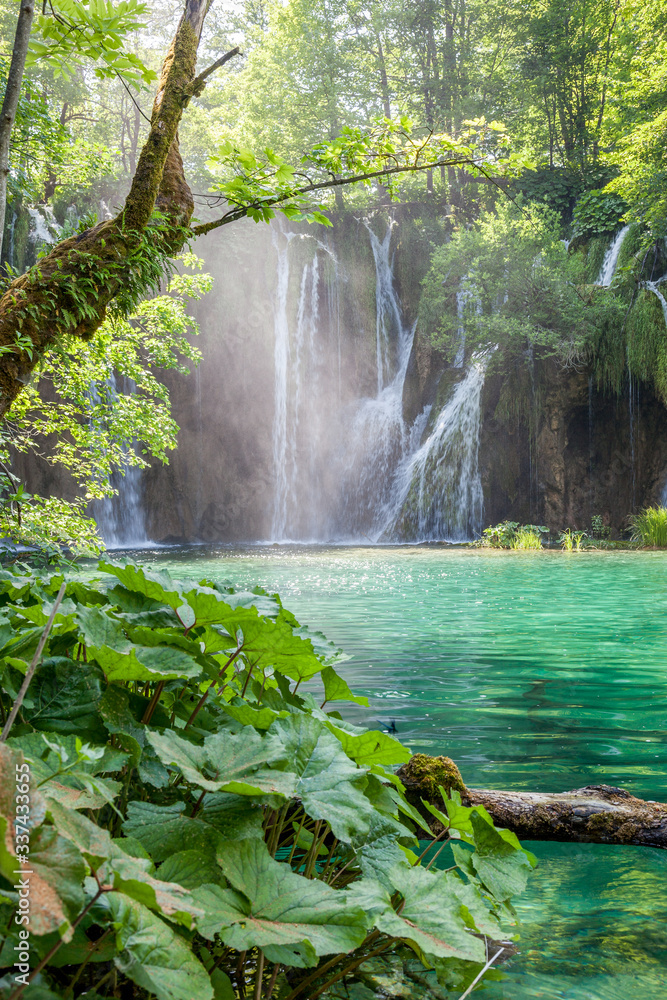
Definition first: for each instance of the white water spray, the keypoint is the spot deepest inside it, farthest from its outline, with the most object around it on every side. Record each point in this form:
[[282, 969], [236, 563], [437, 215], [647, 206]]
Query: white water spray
[[120, 519], [608, 269], [378, 438], [438, 489]]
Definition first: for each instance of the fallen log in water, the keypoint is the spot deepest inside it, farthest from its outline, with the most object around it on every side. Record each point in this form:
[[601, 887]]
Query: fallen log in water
[[598, 814]]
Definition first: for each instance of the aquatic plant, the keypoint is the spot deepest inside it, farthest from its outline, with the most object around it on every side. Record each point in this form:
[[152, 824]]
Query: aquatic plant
[[571, 540], [649, 527], [196, 824], [528, 536]]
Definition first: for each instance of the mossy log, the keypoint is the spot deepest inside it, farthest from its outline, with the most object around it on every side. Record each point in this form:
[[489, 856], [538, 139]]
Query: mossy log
[[597, 814]]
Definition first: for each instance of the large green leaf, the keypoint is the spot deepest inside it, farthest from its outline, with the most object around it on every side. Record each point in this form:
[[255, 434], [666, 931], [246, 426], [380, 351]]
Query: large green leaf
[[155, 586], [65, 698], [337, 689], [498, 863], [165, 830], [276, 644], [190, 869], [154, 956], [432, 917], [233, 763], [172, 899], [366, 746], [329, 784], [293, 919], [144, 663]]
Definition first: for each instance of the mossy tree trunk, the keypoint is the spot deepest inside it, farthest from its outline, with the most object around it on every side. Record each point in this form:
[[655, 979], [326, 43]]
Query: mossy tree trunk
[[68, 291], [596, 814]]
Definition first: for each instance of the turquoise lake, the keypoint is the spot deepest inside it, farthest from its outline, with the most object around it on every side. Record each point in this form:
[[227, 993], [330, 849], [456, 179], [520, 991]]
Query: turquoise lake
[[541, 671]]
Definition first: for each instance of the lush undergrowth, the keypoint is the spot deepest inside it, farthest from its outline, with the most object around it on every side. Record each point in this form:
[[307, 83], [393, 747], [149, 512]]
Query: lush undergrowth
[[649, 527], [190, 819]]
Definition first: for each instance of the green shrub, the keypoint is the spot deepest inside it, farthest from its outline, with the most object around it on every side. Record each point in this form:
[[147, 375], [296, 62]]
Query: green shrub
[[598, 212], [512, 535], [649, 527], [197, 825]]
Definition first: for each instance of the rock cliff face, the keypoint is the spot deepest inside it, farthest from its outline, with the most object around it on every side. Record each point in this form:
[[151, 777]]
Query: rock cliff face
[[588, 453]]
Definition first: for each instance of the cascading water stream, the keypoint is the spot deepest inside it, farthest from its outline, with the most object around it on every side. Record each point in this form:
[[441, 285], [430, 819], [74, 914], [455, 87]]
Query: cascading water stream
[[610, 261], [120, 519], [297, 362], [438, 489], [353, 469], [378, 438]]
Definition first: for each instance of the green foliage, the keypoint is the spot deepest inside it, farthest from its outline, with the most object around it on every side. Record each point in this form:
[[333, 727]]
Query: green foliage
[[70, 33], [518, 287], [253, 184], [98, 407], [599, 530], [198, 824], [598, 212], [512, 535], [571, 540], [649, 527]]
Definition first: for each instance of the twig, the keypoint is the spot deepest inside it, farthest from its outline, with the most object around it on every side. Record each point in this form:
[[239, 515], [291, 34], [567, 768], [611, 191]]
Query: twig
[[201, 79], [33, 666], [480, 974]]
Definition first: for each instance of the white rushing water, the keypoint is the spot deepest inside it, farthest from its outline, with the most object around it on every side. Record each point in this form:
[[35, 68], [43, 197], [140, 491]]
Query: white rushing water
[[298, 346], [121, 519], [378, 437], [354, 469], [438, 488], [608, 269]]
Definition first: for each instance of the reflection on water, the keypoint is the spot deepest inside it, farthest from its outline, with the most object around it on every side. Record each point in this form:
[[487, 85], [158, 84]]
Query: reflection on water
[[542, 671]]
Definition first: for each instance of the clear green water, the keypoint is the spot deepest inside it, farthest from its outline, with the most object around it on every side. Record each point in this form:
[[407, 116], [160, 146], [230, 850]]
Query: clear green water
[[543, 671]]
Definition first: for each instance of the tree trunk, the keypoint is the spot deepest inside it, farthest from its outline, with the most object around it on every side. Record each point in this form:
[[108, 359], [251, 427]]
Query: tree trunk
[[11, 99], [68, 292], [597, 814]]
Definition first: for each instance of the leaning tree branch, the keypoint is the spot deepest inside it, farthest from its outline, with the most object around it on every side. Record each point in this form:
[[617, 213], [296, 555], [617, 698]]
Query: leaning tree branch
[[597, 814], [242, 210], [200, 81], [68, 291]]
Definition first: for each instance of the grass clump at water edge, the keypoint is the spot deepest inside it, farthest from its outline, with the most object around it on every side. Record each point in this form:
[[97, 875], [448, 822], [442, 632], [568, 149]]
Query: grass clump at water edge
[[649, 527]]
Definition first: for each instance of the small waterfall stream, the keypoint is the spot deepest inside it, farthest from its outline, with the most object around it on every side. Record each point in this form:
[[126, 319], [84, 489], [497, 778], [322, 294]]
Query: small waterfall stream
[[438, 488], [610, 261], [378, 436], [121, 519]]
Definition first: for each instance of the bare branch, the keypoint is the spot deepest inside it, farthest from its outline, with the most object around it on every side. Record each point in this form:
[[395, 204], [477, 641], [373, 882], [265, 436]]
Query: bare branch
[[199, 82]]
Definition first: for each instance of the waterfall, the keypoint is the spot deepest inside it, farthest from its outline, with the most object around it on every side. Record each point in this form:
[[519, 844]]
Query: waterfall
[[296, 449], [346, 468], [378, 438], [653, 287], [120, 519], [438, 489], [610, 261], [281, 352]]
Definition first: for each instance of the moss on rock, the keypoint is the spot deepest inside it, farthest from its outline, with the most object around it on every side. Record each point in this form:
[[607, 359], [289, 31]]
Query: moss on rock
[[431, 773]]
